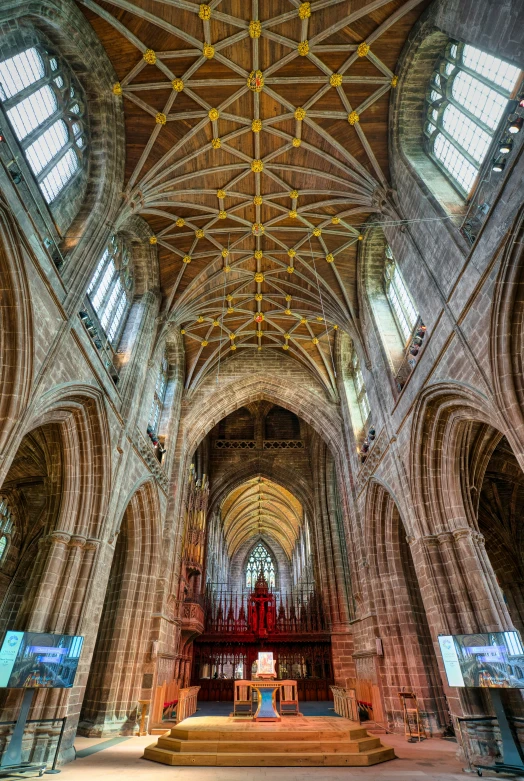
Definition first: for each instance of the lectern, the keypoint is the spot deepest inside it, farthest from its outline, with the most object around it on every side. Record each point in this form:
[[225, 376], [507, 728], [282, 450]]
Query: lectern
[[266, 688]]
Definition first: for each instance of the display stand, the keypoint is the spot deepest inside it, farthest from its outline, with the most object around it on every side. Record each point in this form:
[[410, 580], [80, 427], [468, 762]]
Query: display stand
[[11, 761], [413, 727], [512, 758]]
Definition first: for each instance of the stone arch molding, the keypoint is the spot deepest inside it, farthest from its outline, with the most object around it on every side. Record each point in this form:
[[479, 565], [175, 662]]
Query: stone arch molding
[[80, 412], [507, 330], [438, 466], [16, 327]]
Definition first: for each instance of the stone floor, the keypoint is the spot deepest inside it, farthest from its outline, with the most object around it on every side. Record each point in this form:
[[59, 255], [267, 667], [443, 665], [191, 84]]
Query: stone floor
[[433, 759], [104, 759]]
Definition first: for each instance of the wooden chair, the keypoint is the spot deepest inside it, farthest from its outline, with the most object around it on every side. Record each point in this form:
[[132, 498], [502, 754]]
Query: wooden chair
[[289, 698], [242, 699]]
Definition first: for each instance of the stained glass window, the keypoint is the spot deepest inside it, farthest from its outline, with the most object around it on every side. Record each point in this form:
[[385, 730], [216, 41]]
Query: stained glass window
[[466, 100], [404, 311], [44, 106], [260, 561], [110, 289]]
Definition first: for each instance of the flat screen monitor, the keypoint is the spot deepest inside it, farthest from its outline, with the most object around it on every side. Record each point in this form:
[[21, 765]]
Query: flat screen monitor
[[42, 661], [493, 660]]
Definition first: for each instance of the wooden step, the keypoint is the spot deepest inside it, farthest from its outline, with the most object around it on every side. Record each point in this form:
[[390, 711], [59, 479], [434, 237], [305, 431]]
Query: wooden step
[[270, 746], [366, 759], [304, 742]]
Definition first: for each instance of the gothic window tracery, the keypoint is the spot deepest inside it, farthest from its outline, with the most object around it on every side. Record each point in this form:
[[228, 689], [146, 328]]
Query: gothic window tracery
[[360, 388], [400, 301], [259, 561], [44, 105], [468, 94], [159, 395], [110, 289]]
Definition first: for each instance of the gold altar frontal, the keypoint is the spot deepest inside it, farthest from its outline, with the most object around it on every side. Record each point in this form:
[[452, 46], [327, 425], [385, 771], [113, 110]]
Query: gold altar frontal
[[298, 742]]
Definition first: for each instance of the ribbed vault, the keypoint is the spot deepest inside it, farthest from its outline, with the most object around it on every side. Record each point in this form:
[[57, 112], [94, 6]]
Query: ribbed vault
[[260, 508], [256, 150]]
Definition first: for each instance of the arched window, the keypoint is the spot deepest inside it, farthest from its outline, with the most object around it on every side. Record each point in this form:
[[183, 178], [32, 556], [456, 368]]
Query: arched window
[[44, 106], [158, 396], [360, 388], [110, 289], [402, 306], [260, 561], [6, 527], [468, 93]]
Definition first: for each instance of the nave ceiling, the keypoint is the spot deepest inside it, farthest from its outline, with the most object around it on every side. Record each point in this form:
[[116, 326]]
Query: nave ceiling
[[261, 509], [256, 149]]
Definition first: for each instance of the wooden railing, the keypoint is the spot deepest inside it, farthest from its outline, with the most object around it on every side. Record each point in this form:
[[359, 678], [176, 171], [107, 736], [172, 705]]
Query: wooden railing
[[172, 704], [345, 702]]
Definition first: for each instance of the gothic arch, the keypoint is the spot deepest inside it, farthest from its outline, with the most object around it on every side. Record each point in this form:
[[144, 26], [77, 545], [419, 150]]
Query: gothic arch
[[408, 655], [80, 413], [441, 424], [305, 404]]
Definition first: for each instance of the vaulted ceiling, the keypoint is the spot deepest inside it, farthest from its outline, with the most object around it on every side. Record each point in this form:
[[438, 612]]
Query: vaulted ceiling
[[256, 149], [259, 509]]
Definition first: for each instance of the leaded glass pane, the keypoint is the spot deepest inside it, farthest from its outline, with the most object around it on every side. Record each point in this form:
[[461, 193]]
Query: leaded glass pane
[[19, 72], [457, 165], [31, 114], [479, 99], [475, 107], [27, 115], [467, 133], [497, 71], [58, 177]]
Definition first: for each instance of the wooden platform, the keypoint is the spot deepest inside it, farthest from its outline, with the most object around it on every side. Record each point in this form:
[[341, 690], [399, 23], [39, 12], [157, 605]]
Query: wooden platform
[[295, 741]]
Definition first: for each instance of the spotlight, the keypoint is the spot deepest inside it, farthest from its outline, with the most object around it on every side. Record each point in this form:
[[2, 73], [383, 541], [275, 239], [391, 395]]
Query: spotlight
[[515, 126], [499, 165], [506, 147]]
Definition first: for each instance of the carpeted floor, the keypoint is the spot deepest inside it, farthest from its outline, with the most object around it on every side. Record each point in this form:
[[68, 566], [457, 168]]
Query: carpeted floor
[[225, 708]]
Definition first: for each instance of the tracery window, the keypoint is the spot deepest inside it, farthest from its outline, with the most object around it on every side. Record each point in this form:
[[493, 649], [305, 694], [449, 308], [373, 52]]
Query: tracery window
[[360, 388], [159, 395], [468, 94], [6, 526], [110, 289], [259, 561], [406, 316], [44, 105]]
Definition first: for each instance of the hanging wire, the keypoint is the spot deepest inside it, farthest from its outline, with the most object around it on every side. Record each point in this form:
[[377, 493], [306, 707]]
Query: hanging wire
[[223, 311], [322, 306]]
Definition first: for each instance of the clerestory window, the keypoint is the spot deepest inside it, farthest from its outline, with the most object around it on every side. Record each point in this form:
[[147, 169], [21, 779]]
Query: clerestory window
[[110, 289], [360, 388], [159, 395], [467, 97], [402, 306], [45, 108]]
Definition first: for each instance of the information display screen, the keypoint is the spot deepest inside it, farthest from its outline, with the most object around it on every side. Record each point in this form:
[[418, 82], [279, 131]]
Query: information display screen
[[36, 660], [490, 660]]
